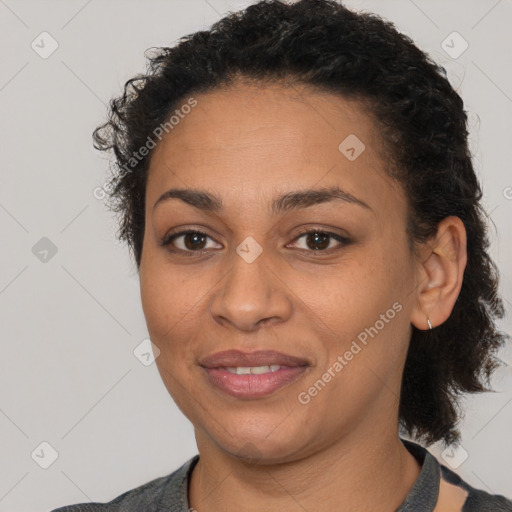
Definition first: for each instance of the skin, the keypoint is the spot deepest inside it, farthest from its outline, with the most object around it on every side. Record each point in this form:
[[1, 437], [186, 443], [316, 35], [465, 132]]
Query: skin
[[248, 144]]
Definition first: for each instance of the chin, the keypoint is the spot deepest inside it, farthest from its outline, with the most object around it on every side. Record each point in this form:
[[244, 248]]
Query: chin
[[262, 443]]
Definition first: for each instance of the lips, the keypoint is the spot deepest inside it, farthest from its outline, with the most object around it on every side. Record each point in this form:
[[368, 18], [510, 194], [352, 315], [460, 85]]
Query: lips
[[252, 375], [237, 358]]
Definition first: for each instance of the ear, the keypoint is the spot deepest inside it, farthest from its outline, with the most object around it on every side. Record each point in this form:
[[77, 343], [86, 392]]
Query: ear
[[440, 271]]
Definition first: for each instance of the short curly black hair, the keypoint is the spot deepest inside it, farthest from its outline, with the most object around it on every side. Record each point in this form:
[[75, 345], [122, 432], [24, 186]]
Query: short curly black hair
[[423, 124]]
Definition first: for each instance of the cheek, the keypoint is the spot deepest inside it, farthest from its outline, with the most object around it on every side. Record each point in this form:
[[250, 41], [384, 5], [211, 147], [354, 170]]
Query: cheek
[[173, 300], [166, 295], [367, 302], [347, 295], [380, 308], [168, 305]]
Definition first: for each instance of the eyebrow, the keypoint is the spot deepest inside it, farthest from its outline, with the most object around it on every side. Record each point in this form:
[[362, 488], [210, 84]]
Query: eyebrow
[[290, 201]]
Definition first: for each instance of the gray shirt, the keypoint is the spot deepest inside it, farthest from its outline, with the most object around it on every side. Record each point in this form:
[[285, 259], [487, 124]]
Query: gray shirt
[[170, 493]]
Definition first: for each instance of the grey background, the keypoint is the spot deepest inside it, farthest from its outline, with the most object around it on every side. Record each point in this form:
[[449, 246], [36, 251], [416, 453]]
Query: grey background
[[70, 324]]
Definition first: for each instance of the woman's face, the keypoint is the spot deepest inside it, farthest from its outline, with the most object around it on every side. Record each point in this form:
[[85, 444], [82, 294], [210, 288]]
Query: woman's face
[[340, 307]]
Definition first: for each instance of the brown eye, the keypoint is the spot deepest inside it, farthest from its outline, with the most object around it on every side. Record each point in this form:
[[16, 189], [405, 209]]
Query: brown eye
[[320, 241], [317, 241], [187, 242], [193, 241]]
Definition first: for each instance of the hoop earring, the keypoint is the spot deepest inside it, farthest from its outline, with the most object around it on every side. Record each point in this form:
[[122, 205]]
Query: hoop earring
[[429, 323]]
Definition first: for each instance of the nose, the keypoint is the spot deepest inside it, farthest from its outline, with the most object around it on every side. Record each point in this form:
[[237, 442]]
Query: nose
[[251, 294]]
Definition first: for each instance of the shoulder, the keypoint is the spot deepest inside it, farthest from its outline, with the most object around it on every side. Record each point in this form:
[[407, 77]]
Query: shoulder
[[477, 500], [151, 496], [438, 488]]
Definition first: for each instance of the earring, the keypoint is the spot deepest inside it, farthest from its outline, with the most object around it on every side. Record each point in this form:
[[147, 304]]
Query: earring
[[429, 323]]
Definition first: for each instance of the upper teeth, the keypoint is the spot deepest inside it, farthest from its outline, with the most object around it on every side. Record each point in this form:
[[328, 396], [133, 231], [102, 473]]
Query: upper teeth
[[255, 370]]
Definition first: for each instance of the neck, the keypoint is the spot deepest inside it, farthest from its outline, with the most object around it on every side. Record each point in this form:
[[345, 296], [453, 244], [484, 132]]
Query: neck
[[355, 473]]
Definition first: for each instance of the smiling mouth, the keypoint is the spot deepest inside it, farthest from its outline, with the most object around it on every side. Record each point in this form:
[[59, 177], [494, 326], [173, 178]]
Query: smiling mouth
[[253, 385], [252, 375], [252, 370]]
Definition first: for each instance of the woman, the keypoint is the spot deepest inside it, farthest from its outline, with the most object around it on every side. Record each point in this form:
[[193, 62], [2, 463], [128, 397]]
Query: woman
[[296, 188]]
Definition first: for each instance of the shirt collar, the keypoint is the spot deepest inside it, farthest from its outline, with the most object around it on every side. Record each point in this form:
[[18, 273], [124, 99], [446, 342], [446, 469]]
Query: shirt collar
[[421, 498], [424, 493]]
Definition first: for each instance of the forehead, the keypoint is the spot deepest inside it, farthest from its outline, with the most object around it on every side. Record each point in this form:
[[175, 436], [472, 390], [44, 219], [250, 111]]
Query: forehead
[[248, 142]]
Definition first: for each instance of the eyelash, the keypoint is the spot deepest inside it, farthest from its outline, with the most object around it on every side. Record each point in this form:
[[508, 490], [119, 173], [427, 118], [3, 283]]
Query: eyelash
[[167, 240]]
